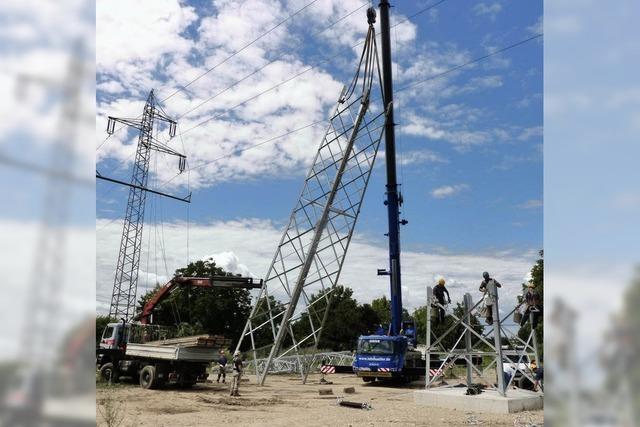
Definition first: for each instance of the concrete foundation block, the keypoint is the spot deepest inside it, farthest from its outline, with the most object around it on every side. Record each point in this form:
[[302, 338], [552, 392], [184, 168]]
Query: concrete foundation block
[[487, 401]]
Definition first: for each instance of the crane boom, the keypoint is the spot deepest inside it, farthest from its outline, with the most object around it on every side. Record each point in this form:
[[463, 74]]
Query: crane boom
[[225, 282], [393, 198]]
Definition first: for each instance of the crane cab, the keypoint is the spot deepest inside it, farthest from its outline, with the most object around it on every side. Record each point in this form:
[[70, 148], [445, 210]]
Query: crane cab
[[380, 356]]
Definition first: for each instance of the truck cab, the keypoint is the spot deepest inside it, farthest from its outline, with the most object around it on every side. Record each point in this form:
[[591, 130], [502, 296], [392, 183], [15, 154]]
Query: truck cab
[[115, 336]]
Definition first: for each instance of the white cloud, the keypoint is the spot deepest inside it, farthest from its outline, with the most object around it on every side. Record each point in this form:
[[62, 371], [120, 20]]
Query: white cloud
[[538, 27], [230, 263], [110, 86], [214, 135], [462, 271], [528, 100], [418, 157], [455, 128], [490, 10], [139, 32], [531, 132], [448, 190], [531, 204]]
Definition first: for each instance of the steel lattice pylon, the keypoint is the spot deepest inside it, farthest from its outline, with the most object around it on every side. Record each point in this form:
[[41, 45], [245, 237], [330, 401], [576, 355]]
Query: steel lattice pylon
[[125, 282], [292, 306], [471, 343]]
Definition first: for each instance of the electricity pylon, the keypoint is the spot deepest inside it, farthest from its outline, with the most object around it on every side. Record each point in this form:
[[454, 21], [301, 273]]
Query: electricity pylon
[[293, 304], [125, 283]]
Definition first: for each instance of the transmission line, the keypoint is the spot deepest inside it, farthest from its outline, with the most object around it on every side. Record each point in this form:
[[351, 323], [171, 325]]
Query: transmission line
[[417, 83], [241, 49]]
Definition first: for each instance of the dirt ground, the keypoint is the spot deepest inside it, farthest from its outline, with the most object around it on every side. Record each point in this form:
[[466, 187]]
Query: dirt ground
[[285, 401]]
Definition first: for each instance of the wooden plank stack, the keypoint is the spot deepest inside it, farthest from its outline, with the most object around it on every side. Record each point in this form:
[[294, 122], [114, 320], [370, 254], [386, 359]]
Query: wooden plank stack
[[205, 341]]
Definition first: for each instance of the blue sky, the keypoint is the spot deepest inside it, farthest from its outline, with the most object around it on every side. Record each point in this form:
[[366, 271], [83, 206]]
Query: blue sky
[[469, 143]]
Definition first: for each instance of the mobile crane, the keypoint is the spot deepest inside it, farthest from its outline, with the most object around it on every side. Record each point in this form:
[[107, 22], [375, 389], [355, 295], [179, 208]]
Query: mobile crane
[[155, 363], [392, 355]]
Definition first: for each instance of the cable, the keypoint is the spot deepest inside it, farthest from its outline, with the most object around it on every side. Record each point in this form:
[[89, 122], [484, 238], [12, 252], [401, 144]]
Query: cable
[[421, 11], [234, 152], [473, 61], [266, 65], [325, 60], [244, 78], [188, 189], [255, 96], [432, 77], [240, 50]]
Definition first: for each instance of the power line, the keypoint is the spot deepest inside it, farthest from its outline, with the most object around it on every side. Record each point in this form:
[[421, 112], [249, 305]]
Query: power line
[[432, 77], [222, 62], [241, 49], [473, 61], [306, 70], [272, 61], [421, 11], [267, 64], [237, 52]]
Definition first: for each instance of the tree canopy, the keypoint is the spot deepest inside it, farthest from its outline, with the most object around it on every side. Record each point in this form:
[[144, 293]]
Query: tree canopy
[[225, 311], [203, 310]]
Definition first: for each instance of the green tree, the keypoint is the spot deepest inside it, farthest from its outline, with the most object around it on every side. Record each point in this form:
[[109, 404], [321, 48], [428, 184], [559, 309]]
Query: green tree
[[346, 320], [537, 278], [264, 335], [205, 310], [382, 306], [437, 329]]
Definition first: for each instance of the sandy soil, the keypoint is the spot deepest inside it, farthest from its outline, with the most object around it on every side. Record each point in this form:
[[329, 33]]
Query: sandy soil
[[284, 401]]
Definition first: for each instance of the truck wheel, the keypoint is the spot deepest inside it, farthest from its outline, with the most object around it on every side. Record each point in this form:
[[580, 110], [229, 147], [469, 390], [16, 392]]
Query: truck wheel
[[367, 379], [148, 377], [107, 372]]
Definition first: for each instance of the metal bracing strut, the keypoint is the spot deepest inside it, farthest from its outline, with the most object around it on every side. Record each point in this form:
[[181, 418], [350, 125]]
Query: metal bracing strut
[[470, 350]]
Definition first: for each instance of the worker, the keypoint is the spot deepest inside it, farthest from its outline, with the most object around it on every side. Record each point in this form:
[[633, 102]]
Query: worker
[[539, 380], [237, 373], [532, 301], [222, 367], [438, 291], [508, 373], [487, 287]]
